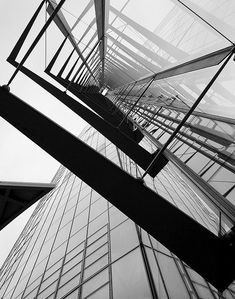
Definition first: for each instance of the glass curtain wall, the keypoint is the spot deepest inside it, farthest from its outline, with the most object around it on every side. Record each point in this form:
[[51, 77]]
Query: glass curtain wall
[[78, 245]]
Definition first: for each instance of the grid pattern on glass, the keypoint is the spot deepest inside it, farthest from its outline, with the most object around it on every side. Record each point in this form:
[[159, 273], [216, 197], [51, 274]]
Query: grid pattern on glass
[[102, 250]]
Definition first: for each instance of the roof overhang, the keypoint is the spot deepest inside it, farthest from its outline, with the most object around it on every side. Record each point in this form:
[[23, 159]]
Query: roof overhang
[[16, 197]]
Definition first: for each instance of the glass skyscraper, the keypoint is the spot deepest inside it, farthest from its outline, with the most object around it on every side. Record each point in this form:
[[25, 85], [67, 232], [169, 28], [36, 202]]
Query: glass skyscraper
[[77, 245], [159, 83]]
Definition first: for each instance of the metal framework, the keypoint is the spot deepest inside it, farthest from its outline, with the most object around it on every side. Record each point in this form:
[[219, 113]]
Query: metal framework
[[151, 95], [180, 233]]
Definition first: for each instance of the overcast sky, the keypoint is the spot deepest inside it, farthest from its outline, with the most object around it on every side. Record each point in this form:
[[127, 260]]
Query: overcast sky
[[20, 159]]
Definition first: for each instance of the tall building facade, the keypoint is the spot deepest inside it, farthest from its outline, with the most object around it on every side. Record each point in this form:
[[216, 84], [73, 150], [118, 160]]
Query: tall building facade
[[77, 245], [161, 96]]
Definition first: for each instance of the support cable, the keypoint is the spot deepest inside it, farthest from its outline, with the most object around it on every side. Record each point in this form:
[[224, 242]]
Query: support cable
[[188, 114], [45, 35], [201, 18], [36, 41], [133, 106]]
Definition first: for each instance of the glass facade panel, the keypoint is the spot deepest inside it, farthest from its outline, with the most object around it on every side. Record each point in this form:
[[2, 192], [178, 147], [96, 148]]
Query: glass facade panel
[[100, 252], [72, 272], [119, 234], [96, 266], [102, 293], [129, 278], [94, 283], [174, 282], [63, 290], [44, 293]]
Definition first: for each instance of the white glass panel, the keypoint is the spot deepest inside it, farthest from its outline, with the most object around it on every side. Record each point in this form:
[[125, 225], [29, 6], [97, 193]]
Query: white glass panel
[[123, 239], [47, 291], [94, 283], [95, 267], [68, 287], [174, 283], [129, 278], [102, 293]]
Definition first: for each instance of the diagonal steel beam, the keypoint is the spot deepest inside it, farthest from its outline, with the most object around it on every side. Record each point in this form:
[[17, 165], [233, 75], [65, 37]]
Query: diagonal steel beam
[[206, 253], [131, 148]]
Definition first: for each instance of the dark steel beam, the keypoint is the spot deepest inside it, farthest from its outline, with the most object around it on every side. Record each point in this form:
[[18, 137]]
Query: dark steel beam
[[98, 103], [131, 148], [211, 256]]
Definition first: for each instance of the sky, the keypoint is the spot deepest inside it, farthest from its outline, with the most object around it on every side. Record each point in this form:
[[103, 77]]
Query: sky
[[20, 159]]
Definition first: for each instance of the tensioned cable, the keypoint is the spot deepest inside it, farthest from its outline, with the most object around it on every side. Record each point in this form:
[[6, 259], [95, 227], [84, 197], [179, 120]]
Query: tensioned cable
[[76, 17], [196, 14], [137, 101], [45, 35], [40, 34], [170, 139]]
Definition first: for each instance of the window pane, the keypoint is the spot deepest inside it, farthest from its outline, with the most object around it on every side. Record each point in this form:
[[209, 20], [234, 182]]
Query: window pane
[[156, 275], [129, 278], [73, 262], [97, 208], [73, 295], [102, 293], [174, 283], [97, 223], [97, 235], [47, 291], [95, 283], [67, 287], [76, 239], [57, 255], [70, 274], [116, 217], [50, 279], [52, 269], [97, 254], [123, 239], [96, 244], [95, 267], [71, 254], [33, 285], [204, 293]]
